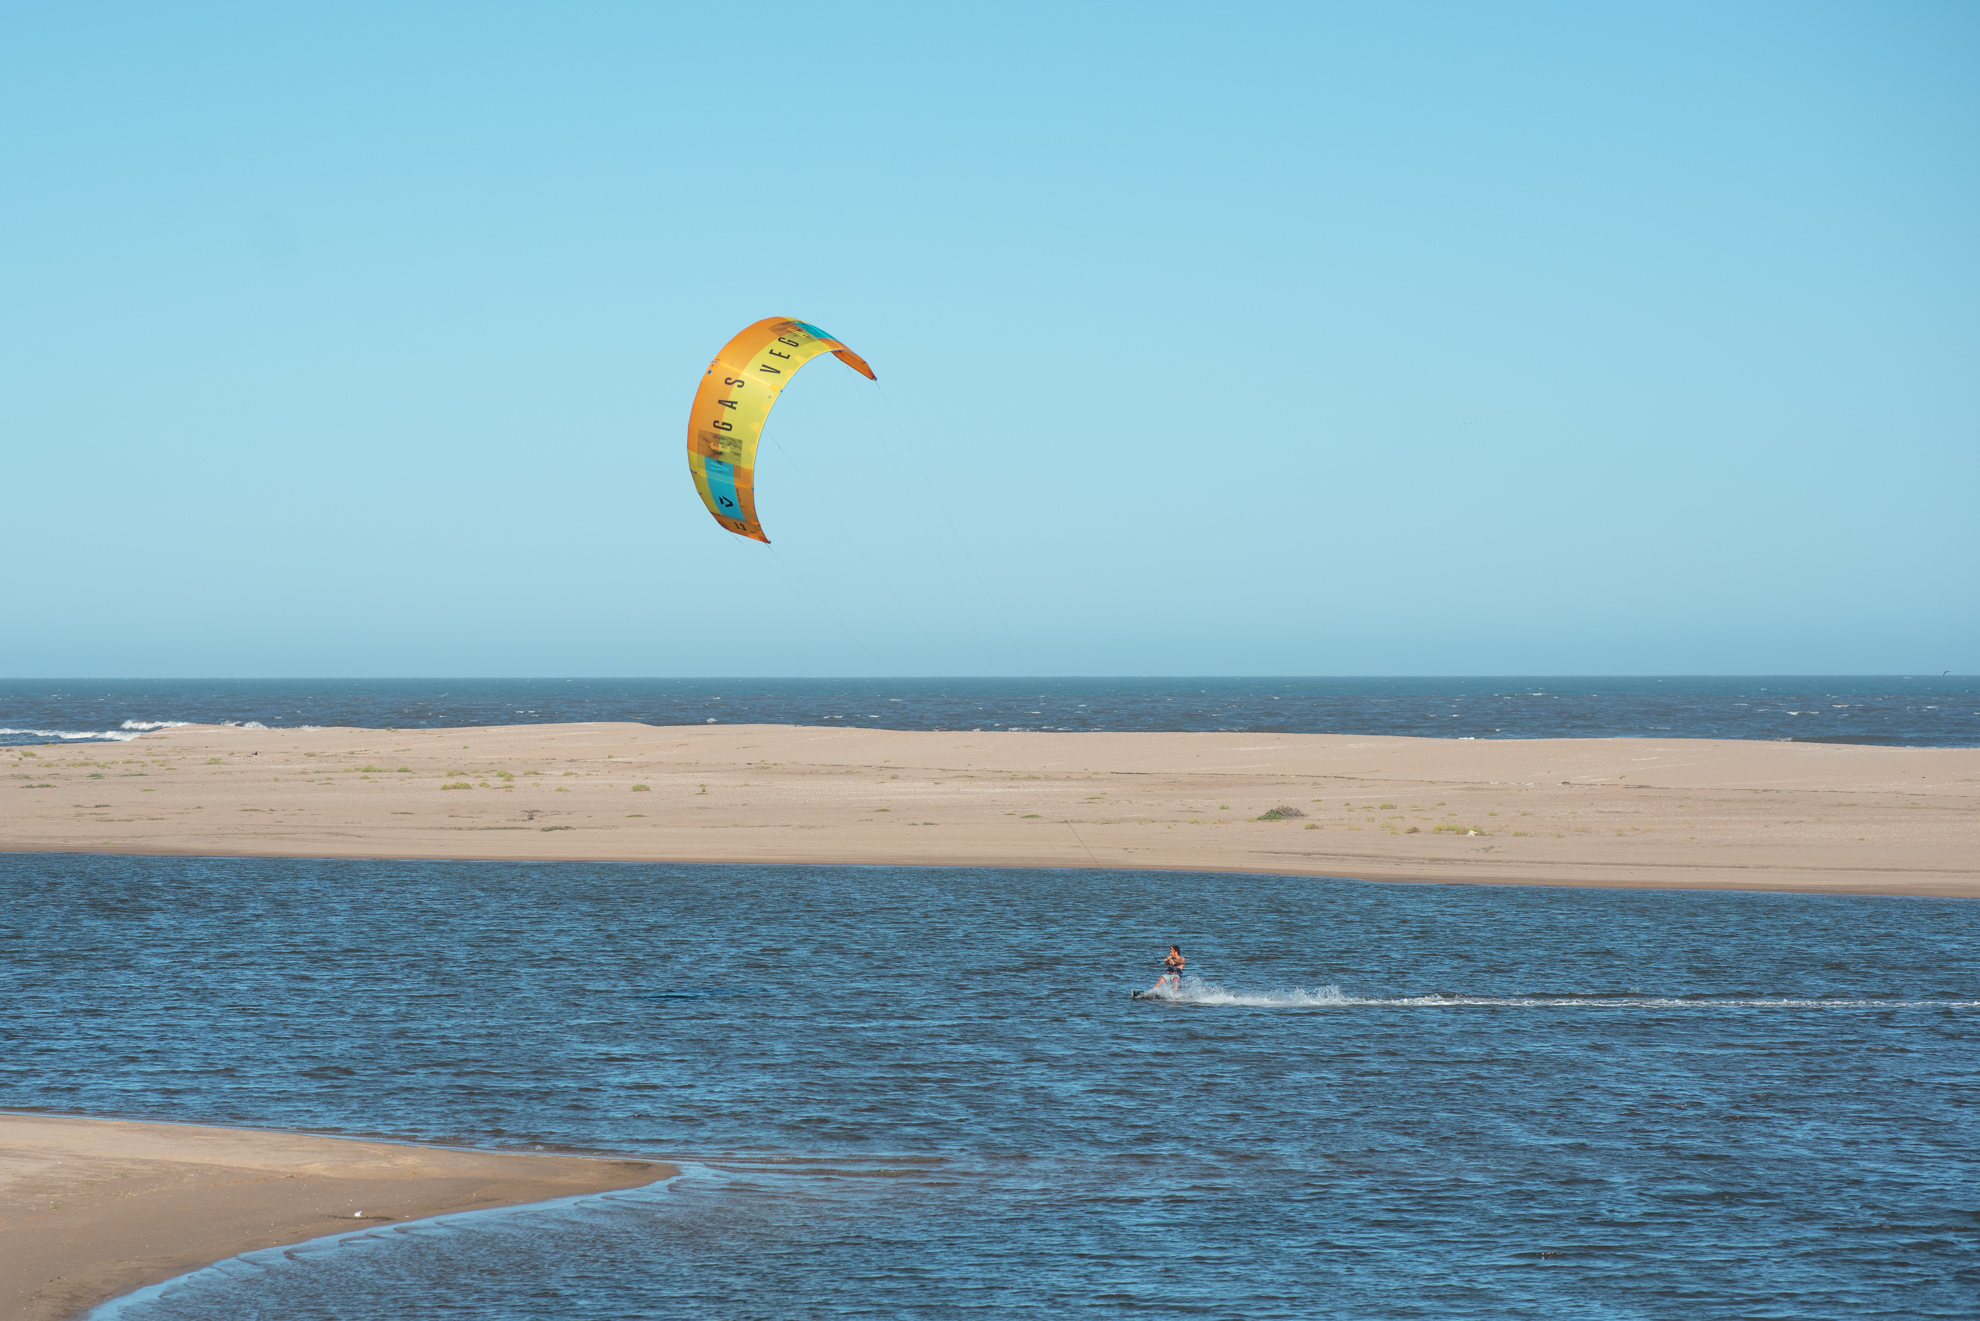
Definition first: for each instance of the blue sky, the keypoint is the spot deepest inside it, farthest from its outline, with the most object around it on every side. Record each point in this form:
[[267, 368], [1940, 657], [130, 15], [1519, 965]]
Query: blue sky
[[1306, 339]]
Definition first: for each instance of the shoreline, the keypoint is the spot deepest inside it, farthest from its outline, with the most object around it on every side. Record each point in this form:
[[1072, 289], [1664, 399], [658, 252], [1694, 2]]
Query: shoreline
[[93, 1209], [1636, 876], [1653, 813]]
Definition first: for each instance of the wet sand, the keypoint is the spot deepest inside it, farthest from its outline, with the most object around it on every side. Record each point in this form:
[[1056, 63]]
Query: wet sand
[[1697, 813], [94, 1208]]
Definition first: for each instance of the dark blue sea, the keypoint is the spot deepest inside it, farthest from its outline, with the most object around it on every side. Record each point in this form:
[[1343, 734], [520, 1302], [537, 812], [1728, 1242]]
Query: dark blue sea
[[926, 1092], [1911, 711]]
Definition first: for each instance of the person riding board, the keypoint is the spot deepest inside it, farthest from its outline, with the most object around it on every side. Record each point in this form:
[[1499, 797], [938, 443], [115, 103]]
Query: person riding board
[[1173, 965]]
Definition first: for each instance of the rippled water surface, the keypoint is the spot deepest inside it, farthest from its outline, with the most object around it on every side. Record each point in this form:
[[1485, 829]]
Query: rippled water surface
[[1916, 710], [926, 1092]]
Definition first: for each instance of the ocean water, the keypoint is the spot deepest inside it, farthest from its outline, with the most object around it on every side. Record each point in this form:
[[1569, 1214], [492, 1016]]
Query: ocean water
[[1922, 711], [927, 1093]]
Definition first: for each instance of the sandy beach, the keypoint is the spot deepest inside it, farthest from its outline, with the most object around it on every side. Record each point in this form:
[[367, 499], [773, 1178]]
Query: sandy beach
[[1697, 813], [94, 1208]]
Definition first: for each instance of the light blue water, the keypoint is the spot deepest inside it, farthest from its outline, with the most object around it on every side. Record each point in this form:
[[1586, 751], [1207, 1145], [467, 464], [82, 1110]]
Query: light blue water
[[926, 1092], [1917, 710]]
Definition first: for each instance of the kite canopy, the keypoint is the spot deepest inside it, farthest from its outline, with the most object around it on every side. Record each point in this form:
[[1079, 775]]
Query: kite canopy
[[732, 405]]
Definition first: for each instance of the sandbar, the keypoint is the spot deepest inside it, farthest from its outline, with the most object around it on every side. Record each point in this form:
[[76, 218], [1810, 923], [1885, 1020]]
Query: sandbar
[[94, 1208], [1693, 813]]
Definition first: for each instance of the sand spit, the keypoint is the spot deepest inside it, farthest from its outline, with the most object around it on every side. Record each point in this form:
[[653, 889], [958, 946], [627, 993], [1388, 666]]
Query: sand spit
[[94, 1208], [1703, 813]]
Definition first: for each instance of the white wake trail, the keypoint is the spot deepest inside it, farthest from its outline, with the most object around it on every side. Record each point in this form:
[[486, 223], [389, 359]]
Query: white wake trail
[[1198, 991]]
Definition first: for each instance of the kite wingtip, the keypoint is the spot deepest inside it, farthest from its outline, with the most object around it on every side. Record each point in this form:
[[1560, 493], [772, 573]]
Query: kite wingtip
[[857, 363]]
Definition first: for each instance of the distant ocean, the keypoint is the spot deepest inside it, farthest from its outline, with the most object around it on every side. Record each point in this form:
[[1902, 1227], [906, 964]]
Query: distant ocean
[[1907, 711]]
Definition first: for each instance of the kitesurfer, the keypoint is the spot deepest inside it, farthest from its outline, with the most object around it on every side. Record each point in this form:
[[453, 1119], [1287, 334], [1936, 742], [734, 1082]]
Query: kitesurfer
[[1169, 985]]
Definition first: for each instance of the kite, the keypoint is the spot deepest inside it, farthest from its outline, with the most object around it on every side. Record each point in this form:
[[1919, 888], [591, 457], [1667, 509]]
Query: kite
[[732, 405]]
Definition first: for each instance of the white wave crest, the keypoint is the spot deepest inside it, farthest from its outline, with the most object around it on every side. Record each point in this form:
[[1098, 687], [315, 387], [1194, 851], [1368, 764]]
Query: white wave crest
[[243, 724], [73, 735], [1197, 991], [142, 725]]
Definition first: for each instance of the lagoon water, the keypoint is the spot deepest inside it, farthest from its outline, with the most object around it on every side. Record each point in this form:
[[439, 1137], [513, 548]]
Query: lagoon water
[[927, 1093], [1916, 710]]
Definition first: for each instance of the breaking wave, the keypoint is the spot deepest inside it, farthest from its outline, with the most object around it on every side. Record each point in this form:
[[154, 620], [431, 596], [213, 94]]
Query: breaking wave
[[73, 735], [123, 733], [1197, 991]]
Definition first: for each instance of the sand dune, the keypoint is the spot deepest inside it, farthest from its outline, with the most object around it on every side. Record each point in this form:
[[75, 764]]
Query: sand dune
[[1641, 812]]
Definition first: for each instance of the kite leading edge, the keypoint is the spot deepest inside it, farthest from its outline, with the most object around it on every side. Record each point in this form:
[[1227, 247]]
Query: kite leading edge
[[733, 403]]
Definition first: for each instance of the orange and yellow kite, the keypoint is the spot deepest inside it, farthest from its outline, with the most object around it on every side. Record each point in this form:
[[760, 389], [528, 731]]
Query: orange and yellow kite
[[732, 405]]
